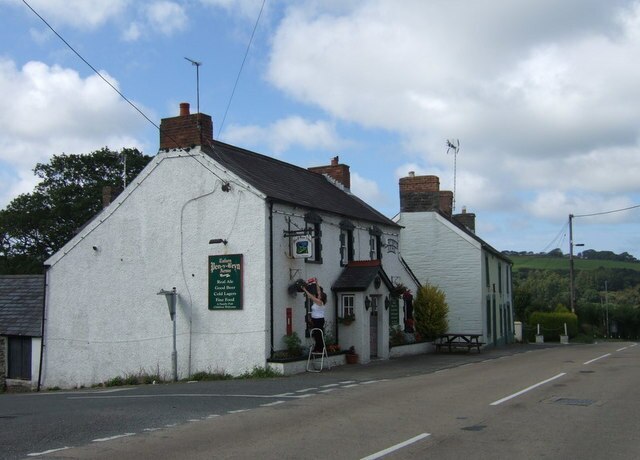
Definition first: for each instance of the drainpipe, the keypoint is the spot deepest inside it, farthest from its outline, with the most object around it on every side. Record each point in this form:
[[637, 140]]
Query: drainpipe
[[271, 277], [335, 304], [44, 303]]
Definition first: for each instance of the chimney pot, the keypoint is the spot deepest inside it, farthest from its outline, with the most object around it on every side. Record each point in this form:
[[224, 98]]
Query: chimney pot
[[335, 161], [412, 174], [184, 109]]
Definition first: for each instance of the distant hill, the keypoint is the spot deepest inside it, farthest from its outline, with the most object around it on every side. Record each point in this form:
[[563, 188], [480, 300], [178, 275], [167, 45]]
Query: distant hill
[[542, 262]]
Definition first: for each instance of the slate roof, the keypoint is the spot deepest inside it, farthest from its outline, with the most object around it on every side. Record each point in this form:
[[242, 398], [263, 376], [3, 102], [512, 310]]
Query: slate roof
[[358, 275], [286, 183], [21, 301]]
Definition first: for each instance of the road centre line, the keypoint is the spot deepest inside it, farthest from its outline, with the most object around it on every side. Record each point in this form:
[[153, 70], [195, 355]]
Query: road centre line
[[595, 359], [110, 438], [329, 385], [50, 451], [622, 349], [398, 446], [500, 401], [304, 390]]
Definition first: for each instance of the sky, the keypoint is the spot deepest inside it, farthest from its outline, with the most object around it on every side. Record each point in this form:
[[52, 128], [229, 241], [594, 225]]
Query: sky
[[543, 96]]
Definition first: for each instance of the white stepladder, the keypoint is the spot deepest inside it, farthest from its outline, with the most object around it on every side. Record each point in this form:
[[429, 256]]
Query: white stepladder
[[314, 356]]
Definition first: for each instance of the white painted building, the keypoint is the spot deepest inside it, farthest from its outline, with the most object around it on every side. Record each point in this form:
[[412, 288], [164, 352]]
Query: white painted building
[[443, 249], [217, 223]]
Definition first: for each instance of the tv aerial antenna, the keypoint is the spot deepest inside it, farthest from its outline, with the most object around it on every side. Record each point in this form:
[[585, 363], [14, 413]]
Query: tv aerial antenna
[[454, 145], [197, 64]]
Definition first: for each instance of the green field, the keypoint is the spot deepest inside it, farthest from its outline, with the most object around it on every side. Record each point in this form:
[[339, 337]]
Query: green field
[[562, 263]]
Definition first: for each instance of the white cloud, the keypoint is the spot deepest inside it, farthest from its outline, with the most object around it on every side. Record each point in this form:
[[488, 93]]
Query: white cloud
[[540, 97], [367, 190], [285, 134], [82, 14], [133, 32], [52, 110], [166, 17], [247, 9]]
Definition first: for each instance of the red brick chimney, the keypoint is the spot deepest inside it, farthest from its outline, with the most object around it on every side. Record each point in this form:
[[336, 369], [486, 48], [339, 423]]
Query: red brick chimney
[[468, 219], [186, 130], [338, 172]]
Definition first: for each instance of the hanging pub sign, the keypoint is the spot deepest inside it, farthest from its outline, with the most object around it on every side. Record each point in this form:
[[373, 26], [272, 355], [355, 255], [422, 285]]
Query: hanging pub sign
[[302, 247], [225, 282]]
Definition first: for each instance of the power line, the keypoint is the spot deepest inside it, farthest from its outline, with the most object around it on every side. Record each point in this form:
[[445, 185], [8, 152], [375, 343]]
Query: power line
[[606, 212], [90, 66], [241, 67]]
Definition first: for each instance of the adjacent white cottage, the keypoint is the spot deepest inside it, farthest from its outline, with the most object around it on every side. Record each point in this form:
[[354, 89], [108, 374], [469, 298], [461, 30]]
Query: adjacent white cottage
[[229, 231], [443, 249]]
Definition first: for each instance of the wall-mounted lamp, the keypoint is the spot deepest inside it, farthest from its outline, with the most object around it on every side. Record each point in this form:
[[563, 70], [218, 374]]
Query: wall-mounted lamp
[[96, 248], [367, 303], [226, 187], [218, 241]]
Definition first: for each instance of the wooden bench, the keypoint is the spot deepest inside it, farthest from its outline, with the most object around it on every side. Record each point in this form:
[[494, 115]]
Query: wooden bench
[[453, 341]]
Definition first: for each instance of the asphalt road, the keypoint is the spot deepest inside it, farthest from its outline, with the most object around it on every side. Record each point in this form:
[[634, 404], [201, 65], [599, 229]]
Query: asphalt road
[[576, 401]]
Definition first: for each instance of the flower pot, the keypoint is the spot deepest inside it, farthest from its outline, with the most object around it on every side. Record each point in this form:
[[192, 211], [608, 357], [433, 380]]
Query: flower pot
[[352, 358]]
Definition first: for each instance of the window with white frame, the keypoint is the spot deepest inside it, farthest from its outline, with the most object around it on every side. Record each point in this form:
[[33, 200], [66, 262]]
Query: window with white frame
[[375, 243], [346, 242], [347, 306]]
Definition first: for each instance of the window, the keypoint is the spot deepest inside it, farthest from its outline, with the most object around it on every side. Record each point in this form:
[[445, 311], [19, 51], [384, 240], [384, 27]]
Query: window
[[488, 316], [346, 242], [507, 273], [486, 269], [500, 278], [313, 221], [347, 306], [375, 243]]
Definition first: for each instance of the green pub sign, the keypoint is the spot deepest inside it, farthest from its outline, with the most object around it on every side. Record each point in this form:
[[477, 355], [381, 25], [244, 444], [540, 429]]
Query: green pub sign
[[225, 282]]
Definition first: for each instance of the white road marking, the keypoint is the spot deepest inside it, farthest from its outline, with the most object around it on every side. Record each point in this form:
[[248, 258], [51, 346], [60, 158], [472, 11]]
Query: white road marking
[[347, 381], [599, 357], [190, 395], [304, 390], [194, 420], [384, 452], [328, 390], [352, 385], [370, 381], [110, 438], [329, 385], [213, 415], [623, 348], [500, 401], [151, 429], [274, 403], [35, 454], [238, 411]]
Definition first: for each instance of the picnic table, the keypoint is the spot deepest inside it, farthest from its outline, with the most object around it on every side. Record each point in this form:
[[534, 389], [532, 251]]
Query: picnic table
[[451, 341]]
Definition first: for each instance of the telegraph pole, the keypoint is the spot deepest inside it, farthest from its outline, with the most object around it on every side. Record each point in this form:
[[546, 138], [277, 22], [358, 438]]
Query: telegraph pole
[[571, 285]]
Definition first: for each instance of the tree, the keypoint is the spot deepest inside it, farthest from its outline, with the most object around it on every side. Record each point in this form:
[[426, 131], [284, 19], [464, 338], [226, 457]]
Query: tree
[[35, 225], [431, 309]]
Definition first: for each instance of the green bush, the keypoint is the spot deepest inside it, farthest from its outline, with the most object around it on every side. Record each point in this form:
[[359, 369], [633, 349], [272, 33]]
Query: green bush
[[552, 325], [430, 310]]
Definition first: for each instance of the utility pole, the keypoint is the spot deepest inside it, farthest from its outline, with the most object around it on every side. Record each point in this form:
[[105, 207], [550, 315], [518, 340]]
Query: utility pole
[[572, 287], [572, 290], [606, 305]]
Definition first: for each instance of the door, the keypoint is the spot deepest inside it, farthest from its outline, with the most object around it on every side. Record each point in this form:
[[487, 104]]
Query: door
[[373, 327], [19, 358]]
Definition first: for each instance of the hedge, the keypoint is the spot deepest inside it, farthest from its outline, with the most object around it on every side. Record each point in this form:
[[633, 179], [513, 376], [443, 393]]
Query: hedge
[[552, 325]]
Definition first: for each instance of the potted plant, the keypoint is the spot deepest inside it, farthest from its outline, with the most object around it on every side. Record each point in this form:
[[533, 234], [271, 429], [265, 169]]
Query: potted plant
[[347, 319], [351, 356]]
